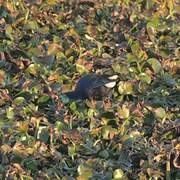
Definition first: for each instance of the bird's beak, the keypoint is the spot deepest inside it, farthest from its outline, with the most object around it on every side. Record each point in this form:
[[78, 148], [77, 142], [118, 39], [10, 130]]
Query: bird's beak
[[114, 77], [110, 84]]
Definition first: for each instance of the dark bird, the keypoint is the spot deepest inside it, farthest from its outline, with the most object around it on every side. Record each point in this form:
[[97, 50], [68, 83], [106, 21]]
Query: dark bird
[[92, 86]]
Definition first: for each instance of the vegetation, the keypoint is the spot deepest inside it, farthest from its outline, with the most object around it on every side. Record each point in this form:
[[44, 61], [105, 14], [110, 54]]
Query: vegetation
[[45, 46]]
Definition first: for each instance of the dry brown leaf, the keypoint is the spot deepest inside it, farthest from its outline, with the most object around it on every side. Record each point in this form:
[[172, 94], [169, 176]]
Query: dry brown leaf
[[87, 64]]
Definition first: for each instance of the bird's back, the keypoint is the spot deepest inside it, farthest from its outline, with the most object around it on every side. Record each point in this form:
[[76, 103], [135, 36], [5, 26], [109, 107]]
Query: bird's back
[[89, 81], [90, 85]]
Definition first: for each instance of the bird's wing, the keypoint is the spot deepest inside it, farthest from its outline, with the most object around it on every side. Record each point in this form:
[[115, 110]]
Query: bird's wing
[[98, 81], [102, 81]]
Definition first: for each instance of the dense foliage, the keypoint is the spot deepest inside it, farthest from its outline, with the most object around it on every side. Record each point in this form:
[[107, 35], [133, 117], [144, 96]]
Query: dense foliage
[[45, 46]]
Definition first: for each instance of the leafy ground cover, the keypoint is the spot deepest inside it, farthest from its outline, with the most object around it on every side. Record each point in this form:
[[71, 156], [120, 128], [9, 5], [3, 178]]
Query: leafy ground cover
[[45, 46]]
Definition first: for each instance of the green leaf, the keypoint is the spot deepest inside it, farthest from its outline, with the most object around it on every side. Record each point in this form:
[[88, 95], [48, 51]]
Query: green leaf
[[31, 164], [145, 78], [125, 87], [119, 68], [53, 49], [160, 113], [73, 107], [64, 99], [33, 69], [91, 112], [168, 79], [89, 37], [104, 154], [2, 76], [123, 112], [43, 30], [31, 25], [10, 113], [105, 132], [24, 94], [34, 51], [151, 32], [43, 99], [84, 172], [118, 174], [43, 134], [9, 32], [177, 52], [155, 64], [18, 101], [72, 150], [131, 58], [59, 125], [44, 60], [116, 67], [81, 69], [136, 49], [62, 26]]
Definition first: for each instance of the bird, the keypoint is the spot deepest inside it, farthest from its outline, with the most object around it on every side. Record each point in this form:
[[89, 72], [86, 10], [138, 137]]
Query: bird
[[92, 86]]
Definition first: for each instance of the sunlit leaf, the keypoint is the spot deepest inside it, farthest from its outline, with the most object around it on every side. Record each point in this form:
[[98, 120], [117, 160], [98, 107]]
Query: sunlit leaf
[[177, 52], [33, 69], [156, 65], [84, 171], [125, 87], [2, 76], [23, 126], [18, 101], [151, 32], [43, 30], [73, 106], [81, 69], [160, 113], [5, 148], [9, 32], [62, 26], [145, 77], [10, 113], [72, 150], [123, 112], [105, 132], [52, 2], [34, 51], [136, 49], [118, 174], [53, 49], [119, 68], [31, 25], [10, 7]]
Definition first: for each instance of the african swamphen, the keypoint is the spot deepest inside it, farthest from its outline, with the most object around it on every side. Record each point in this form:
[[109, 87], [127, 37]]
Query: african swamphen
[[92, 86]]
